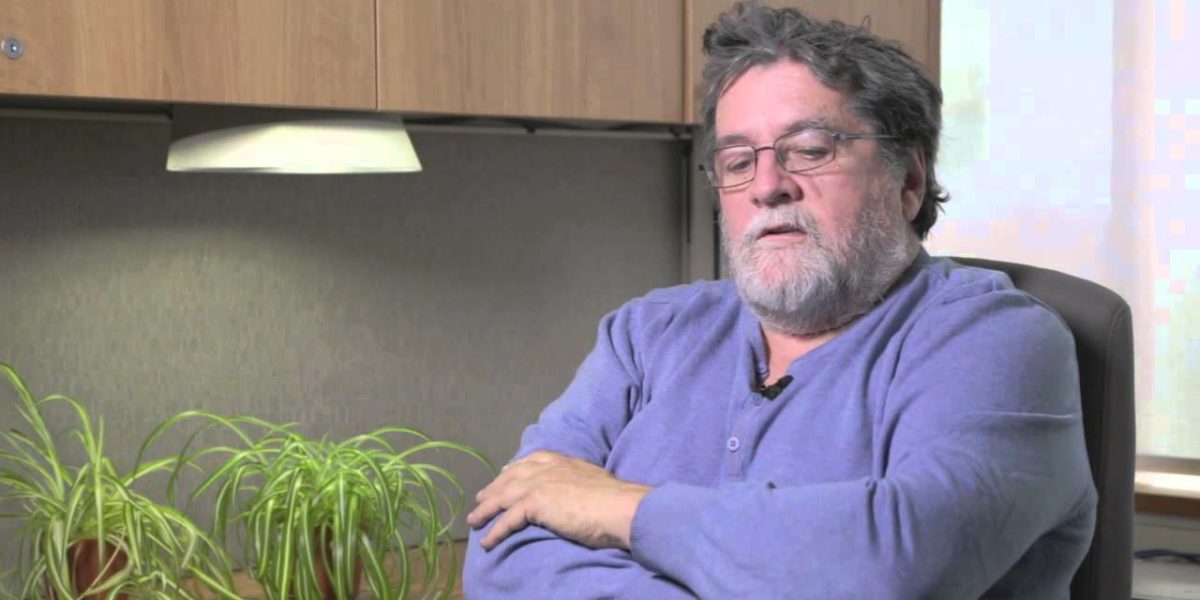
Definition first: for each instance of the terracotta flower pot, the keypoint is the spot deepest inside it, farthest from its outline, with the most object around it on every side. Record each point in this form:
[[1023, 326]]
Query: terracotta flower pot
[[83, 557], [323, 538]]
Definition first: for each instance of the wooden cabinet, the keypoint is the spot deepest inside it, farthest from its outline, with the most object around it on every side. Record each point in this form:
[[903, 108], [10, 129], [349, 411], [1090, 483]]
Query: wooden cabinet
[[269, 52], [916, 24], [619, 60], [609, 60]]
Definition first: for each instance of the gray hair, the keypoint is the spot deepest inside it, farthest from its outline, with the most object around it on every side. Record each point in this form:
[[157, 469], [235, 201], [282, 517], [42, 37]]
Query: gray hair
[[885, 86]]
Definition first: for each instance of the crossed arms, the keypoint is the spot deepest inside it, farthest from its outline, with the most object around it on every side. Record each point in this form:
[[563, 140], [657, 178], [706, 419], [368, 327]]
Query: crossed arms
[[982, 455]]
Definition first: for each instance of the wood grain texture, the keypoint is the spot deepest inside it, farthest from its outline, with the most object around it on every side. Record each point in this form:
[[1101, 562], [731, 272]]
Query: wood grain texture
[[268, 52], [619, 60], [1167, 505], [914, 23]]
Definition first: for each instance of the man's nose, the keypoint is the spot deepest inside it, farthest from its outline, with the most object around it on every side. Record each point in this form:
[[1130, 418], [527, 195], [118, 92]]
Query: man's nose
[[772, 184]]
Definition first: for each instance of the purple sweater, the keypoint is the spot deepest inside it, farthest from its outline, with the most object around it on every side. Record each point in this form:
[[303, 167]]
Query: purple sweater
[[932, 450]]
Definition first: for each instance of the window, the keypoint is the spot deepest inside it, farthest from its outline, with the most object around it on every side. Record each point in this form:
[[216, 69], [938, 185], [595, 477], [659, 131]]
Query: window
[[1072, 141]]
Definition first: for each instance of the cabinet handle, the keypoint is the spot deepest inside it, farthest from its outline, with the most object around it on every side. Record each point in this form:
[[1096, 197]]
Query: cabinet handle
[[13, 47]]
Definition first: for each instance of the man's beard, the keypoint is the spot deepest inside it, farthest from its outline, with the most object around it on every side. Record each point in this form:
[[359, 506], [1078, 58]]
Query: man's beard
[[820, 283]]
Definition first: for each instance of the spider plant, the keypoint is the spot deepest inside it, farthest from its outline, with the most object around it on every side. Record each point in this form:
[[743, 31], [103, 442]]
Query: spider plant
[[314, 514], [88, 533], [5, 592]]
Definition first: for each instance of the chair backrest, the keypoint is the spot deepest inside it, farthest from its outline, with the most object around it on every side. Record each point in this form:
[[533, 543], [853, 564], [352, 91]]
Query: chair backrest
[[1100, 321]]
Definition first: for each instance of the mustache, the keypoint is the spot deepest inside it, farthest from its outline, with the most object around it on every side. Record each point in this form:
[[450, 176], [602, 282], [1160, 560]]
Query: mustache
[[780, 218]]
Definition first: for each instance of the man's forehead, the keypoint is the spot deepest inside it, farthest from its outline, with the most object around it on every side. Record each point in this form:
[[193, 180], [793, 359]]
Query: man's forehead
[[733, 136]]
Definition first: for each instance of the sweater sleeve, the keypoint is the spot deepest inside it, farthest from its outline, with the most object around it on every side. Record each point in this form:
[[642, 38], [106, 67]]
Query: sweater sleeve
[[582, 423], [982, 454]]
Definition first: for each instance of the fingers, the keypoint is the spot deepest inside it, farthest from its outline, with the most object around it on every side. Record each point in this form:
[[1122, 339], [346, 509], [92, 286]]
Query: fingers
[[484, 512], [503, 492], [478, 517], [491, 501], [542, 456], [512, 521]]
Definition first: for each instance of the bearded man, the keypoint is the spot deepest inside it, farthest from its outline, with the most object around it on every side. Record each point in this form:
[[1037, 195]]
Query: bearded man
[[848, 418]]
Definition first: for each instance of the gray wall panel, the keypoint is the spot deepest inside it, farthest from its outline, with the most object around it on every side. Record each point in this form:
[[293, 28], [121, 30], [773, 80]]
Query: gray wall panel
[[459, 300]]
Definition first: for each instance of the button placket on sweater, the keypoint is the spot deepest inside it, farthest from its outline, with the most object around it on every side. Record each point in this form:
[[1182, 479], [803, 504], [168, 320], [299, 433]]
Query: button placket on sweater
[[740, 433]]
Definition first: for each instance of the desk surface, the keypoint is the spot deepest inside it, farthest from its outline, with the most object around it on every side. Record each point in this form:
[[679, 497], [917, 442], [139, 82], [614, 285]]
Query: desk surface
[[247, 589]]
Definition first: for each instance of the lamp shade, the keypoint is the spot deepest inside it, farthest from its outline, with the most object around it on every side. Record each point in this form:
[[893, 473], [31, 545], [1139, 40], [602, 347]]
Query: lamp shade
[[258, 140]]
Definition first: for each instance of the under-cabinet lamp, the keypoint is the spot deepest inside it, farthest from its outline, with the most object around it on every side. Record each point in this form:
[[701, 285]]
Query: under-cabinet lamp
[[261, 140]]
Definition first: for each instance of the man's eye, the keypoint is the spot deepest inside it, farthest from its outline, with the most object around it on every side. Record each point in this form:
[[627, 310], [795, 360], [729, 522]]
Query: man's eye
[[739, 165], [799, 156], [808, 152]]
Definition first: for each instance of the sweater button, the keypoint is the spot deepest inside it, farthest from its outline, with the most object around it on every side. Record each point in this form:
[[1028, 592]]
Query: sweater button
[[733, 444]]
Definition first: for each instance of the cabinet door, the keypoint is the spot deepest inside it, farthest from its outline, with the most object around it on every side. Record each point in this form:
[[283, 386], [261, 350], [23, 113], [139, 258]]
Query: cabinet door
[[916, 24], [616, 60], [271, 52]]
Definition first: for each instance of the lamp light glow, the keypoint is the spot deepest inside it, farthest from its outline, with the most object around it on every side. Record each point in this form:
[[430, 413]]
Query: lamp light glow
[[255, 140]]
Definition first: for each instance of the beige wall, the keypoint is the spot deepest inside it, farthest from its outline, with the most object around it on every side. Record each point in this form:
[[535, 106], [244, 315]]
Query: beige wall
[[458, 301]]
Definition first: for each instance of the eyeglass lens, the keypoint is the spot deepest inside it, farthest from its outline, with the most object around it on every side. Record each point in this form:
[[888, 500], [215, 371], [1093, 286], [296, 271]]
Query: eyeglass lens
[[798, 151]]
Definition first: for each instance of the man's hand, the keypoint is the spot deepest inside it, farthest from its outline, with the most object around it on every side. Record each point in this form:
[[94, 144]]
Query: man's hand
[[571, 497]]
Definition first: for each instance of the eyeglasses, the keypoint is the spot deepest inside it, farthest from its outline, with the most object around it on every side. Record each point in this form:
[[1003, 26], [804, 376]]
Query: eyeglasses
[[798, 151]]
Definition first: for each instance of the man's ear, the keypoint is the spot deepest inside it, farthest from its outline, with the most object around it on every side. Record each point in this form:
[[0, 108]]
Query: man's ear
[[912, 195]]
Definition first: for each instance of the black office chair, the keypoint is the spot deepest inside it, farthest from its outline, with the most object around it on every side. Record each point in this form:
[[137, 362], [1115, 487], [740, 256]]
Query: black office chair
[[1100, 321]]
